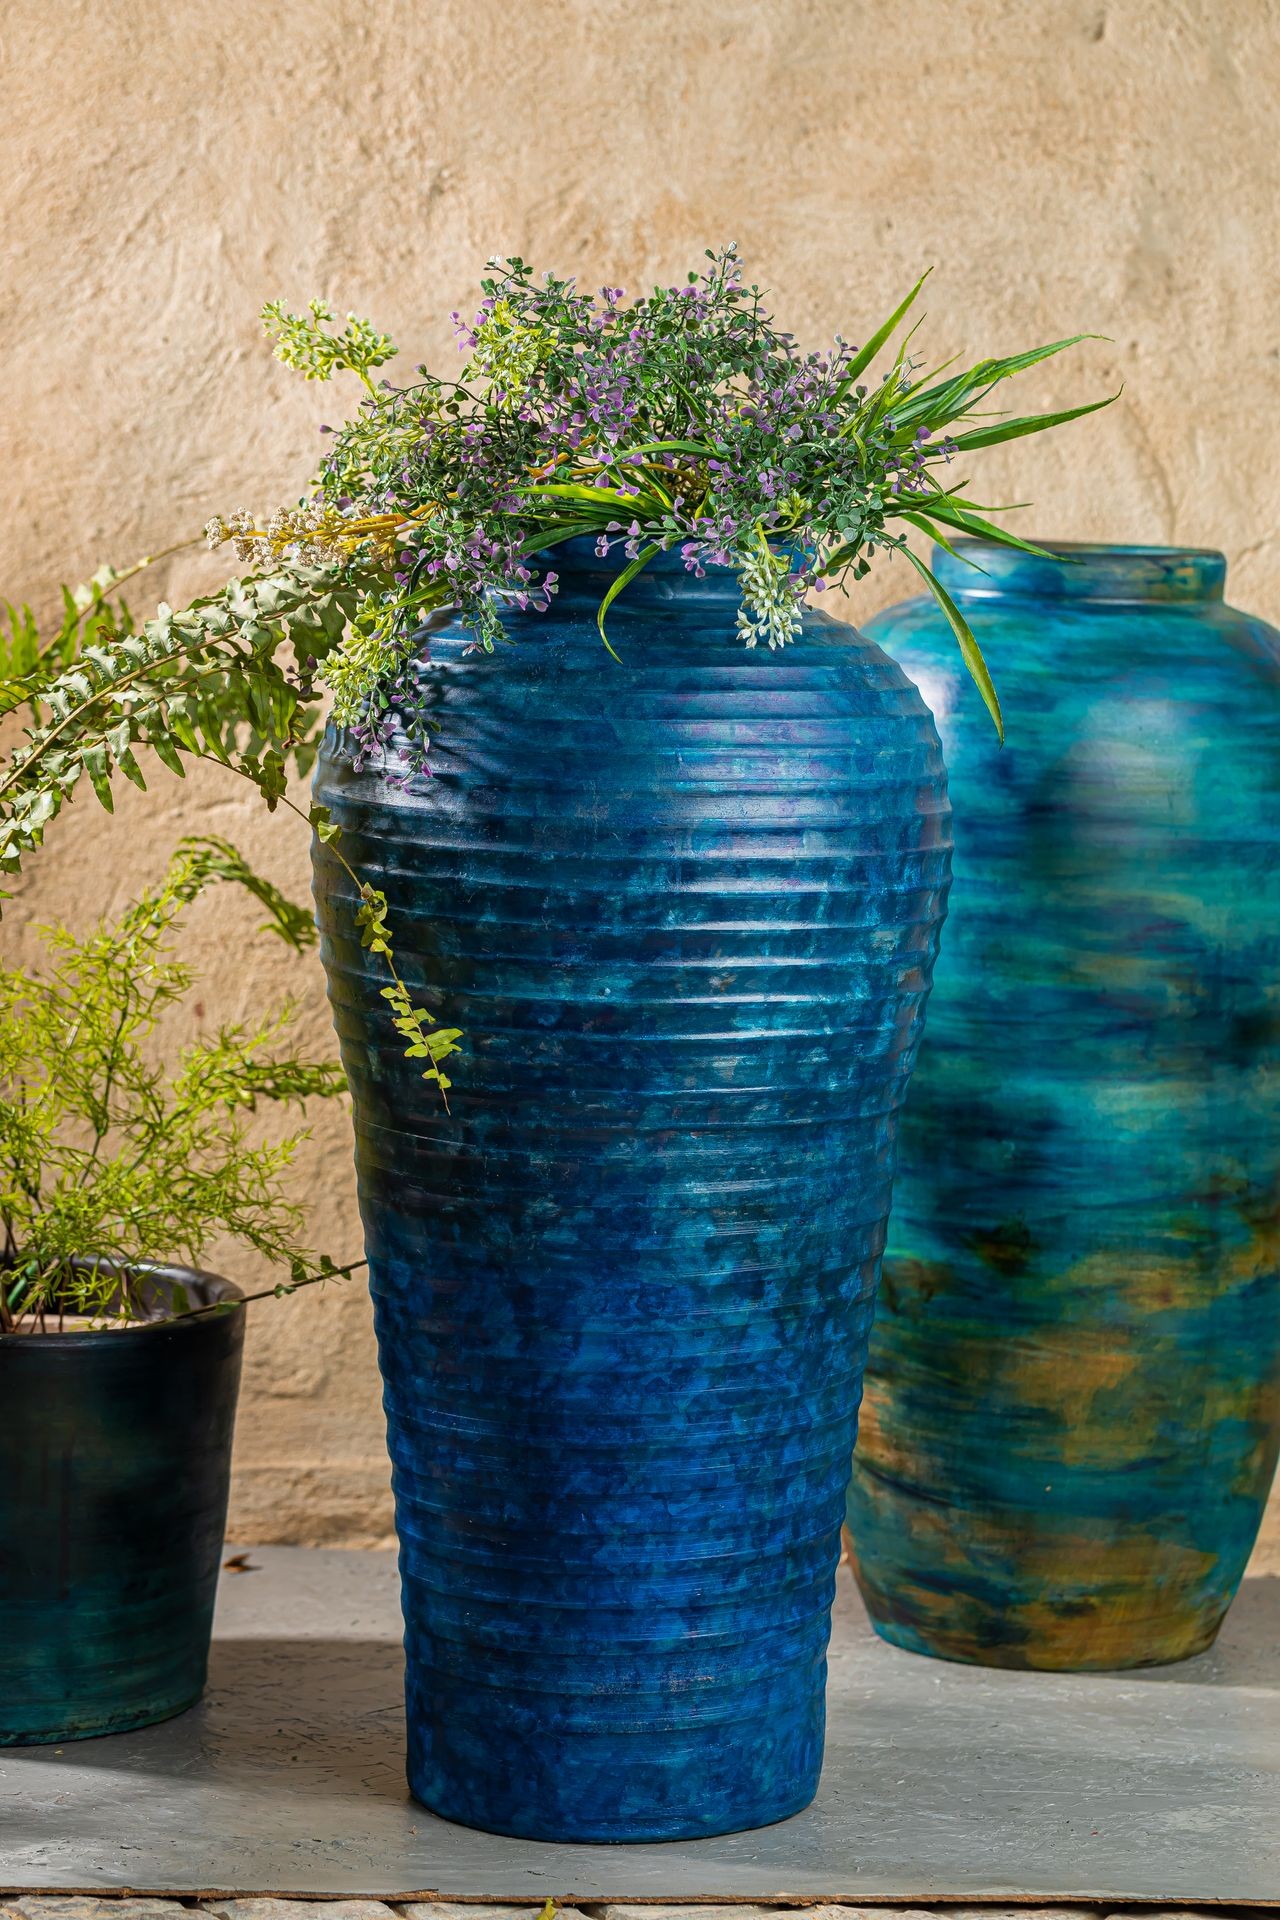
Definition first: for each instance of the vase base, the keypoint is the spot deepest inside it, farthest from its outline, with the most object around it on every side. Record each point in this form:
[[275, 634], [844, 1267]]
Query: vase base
[[658, 1783], [1099, 1646], [99, 1725], [587, 1830]]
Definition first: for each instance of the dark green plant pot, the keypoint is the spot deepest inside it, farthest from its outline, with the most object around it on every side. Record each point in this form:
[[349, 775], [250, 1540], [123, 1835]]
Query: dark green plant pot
[[115, 1459]]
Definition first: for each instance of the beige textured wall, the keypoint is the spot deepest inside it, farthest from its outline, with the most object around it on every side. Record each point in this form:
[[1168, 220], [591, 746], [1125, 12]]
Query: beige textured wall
[[165, 166]]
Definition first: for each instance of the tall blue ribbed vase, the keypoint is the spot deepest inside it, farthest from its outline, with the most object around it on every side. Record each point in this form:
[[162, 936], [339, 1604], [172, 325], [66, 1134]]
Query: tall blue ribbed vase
[[686, 910], [1073, 1395]]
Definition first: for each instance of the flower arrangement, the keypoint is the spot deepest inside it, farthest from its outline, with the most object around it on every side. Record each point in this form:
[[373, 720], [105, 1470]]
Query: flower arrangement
[[682, 419], [111, 1159]]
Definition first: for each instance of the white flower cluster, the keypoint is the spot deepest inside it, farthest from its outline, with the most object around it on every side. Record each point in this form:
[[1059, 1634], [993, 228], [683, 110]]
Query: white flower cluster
[[313, 531], [771, 607], [239, 528]]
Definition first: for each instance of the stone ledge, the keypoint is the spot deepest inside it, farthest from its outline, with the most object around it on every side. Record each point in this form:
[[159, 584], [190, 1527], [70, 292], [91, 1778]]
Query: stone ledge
[[55, 1906]]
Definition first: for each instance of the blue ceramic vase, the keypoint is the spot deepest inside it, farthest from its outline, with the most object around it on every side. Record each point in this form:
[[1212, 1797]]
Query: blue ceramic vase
[[685, 909], [1073, 1400]]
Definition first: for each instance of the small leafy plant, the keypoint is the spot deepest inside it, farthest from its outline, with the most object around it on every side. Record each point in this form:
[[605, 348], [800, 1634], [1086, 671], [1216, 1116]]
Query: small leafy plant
[[110, 1158]]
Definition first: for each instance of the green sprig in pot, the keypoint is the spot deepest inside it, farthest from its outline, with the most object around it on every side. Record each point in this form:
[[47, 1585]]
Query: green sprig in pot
[[119, 1369]]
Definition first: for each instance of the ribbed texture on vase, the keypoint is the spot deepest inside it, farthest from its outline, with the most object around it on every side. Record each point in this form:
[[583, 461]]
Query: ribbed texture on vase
[[1073, 1398], [686, 911]]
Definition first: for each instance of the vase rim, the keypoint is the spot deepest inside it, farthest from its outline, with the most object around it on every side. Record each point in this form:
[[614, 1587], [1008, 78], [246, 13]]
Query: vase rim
[[583, 574], [582, 569], [207, 1288], [1082, 570]]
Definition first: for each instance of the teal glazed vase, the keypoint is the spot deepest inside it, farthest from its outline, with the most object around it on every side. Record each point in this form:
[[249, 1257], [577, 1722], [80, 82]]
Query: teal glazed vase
[[685, 910], [1073, 1398], [115, 1448]]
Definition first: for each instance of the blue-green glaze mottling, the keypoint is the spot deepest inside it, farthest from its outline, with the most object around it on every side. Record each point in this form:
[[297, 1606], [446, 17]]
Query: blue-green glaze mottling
[[1073, 1400], [115, 1459], [686, 910]]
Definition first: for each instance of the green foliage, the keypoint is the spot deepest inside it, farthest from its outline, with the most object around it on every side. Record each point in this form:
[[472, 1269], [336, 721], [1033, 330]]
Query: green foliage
[[301, 342], [110, 1155], [230, 678], [684, 418], [91, 613], [415, 1024]]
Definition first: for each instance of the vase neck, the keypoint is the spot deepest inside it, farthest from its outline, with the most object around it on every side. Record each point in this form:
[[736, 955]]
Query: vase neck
[[1071, 571], [586, 576]]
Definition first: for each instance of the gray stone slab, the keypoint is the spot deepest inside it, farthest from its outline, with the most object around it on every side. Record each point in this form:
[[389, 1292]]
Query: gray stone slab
[[693, 1910], [824, 1910], [491, 1910], [88, 1907], [941, 1782], [699, 1910], [277, 1909]]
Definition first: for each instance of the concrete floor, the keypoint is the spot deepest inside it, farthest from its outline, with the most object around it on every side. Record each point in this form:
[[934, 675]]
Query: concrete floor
[[941, 1782]]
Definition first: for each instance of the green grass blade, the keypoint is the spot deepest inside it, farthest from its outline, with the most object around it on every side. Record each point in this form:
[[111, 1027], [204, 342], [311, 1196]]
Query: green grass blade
[[538, 541], [699, 448], [1029, 423], [931, 531], [979, 528], [865, 355], [632, 504], [699, 413], [624, 579], [944, 402], [970, 651]]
